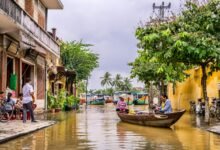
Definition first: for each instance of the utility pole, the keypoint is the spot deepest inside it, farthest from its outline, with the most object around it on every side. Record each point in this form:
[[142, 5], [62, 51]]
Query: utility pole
[[86, 92], [161, 8]]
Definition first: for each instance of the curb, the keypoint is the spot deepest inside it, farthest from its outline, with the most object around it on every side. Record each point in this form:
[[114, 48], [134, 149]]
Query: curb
[[16, 135]]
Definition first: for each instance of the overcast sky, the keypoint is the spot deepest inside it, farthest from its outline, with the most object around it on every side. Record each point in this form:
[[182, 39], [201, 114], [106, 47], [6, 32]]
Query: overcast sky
[[107, 24]]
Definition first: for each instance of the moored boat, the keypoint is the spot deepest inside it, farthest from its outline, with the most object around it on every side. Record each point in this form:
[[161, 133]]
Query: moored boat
[[128, 97], [152, 119], [140, 98], [98, 100], [108, 99]]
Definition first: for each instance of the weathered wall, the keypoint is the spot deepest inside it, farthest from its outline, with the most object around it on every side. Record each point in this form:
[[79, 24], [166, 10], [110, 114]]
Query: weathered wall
[[40, 82], [29, 7], [191, 89], [35, 9]]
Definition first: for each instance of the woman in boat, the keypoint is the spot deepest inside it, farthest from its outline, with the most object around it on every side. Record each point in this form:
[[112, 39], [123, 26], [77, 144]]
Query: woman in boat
[[167, 106], [122, 105]]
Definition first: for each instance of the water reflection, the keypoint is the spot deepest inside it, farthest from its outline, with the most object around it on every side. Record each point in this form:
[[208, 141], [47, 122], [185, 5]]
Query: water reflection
[[99, 128], [149, 138]]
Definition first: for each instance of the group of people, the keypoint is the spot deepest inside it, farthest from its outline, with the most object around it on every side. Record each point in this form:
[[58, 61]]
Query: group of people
[[23, 104], [165, 106]]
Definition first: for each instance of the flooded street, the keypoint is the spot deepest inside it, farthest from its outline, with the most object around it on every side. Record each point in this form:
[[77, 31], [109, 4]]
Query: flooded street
[[99, 128]]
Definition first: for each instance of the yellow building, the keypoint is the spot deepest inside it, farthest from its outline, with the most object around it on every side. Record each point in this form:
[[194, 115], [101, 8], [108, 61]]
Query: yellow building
[[191, 89]]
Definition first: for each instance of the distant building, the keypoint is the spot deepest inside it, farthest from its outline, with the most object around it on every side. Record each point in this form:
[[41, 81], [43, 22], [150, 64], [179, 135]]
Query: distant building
[[27, 50]]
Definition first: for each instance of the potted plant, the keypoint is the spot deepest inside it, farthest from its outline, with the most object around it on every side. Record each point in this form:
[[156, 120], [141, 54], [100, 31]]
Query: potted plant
[[51, 102], [60, 100], [76, 101]]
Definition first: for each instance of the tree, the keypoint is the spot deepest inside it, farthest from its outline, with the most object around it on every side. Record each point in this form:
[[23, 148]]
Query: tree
[[126, 84], [151, 70], [106, 79], [192, 39], [109, 91], [81, 86], [78, 56], [117, 82]]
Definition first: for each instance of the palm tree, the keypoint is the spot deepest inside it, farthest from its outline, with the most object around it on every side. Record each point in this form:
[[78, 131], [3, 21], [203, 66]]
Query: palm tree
[[126, 84], [106, 79], [117, 81]]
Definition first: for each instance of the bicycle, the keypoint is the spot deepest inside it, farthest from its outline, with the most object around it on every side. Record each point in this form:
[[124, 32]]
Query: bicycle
[[5, 115], [215, 109], [192, 107]]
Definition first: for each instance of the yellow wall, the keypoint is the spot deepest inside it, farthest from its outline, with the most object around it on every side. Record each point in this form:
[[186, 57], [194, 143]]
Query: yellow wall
[[191, 89]]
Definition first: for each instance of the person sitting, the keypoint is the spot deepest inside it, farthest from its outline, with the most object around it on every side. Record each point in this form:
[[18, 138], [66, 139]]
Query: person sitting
[[19, 105], [2, 95], [9, 104], [167, 105], [122, 105], [2, 99]]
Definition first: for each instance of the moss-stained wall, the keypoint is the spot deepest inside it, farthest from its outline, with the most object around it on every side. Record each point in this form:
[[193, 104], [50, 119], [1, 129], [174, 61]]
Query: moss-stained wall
[[191, 89]]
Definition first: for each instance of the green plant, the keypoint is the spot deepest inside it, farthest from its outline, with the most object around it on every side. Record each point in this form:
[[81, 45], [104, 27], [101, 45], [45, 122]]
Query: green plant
[[51, 100], [76, 100], [79, 57], [70, 101], [61, 98]]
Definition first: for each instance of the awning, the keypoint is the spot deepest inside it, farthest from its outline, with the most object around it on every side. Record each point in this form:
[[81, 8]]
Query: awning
[[59, 82], [70, 73], [61, 69]]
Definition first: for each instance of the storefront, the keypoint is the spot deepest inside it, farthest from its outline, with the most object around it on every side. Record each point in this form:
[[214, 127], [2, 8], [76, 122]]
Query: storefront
[[19, 62]]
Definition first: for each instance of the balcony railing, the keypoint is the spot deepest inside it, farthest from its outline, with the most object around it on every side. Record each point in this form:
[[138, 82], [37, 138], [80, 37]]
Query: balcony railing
[[12, 9]]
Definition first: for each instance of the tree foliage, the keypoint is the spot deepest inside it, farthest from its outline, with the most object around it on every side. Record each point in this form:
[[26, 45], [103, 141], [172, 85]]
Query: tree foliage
[[78, 56], [106, 79], [192, 39], [118, 83]]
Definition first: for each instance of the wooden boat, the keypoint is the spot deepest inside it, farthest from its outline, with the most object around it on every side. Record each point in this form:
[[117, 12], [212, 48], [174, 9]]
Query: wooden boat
[[140, 102], [151, 119], [140, 99]]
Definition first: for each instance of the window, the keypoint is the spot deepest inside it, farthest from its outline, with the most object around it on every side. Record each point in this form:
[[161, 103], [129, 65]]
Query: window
[[42, 8], [27, 72]]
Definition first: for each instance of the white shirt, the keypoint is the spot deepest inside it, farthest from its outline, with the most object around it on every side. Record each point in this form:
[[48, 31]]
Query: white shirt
[[27, 90]]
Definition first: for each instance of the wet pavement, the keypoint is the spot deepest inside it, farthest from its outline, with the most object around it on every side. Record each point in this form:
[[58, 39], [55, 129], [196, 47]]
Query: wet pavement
[[99, 128], [15, 128]]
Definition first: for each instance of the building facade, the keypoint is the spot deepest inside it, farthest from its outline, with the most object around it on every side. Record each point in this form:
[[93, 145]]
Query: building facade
[[191, 89], [27, 50]]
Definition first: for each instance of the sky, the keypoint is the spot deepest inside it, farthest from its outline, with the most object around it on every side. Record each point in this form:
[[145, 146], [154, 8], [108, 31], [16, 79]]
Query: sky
[[110, 26]]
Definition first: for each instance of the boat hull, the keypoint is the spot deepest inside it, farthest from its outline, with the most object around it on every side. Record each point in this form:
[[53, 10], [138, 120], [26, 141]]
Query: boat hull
[[154, 120], [97, 102], [141, 102]]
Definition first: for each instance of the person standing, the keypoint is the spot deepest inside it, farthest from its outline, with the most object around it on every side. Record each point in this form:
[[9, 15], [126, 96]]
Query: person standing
[[28, 99]]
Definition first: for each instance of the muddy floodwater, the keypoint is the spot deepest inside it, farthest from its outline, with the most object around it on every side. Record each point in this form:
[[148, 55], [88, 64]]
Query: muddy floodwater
[[99, 128]]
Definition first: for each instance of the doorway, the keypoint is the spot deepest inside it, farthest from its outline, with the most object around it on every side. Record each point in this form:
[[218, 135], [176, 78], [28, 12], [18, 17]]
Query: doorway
[[10, 70], [27, 71]]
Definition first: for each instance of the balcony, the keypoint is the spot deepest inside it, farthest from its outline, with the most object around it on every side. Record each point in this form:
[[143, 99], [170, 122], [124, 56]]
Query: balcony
[[12, 15], [52, 4]]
